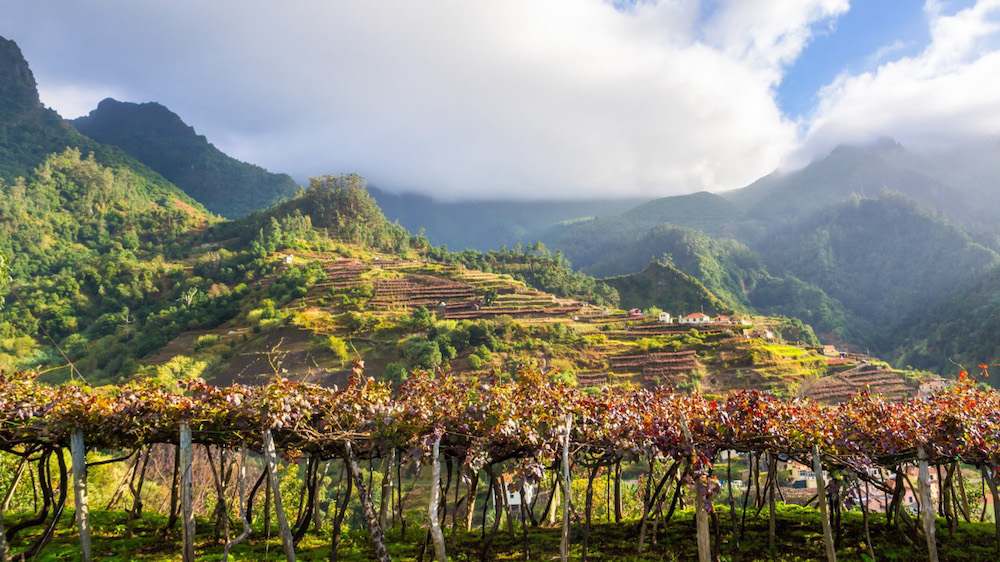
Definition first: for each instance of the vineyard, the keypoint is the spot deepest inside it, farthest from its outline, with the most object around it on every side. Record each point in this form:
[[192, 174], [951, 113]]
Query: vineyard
[[533, 428], [841, 386]]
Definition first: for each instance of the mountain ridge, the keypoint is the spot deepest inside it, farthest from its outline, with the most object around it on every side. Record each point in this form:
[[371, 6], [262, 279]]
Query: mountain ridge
[[159, 138]]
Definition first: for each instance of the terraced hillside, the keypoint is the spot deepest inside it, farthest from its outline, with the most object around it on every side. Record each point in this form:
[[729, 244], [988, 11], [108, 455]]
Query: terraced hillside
[[408, 312], [878, 379]]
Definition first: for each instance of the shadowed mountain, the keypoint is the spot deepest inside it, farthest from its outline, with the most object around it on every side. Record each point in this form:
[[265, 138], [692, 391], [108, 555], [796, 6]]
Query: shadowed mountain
[[160, 139]]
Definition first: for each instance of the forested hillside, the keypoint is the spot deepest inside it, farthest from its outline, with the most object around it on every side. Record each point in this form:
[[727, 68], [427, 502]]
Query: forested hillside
[[158, 138], [884, 260], [90, 249]]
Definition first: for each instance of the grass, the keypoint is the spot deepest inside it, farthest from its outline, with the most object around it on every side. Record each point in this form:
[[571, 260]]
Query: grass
[[799, 538]]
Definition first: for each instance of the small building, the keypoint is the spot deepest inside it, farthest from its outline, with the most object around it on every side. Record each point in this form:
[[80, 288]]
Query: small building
[[695, 318], [507, 482], [288, 260], [830, 351], [635, 313], [799, 475], [724, 320], [931, 387], [665, 317]]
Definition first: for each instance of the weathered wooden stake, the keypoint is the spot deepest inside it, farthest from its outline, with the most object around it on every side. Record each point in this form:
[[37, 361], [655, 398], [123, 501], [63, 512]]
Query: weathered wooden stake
[[772, 467], [375, 534], [187, 491], [387, 490], [564, 543], [990, 477], [432, 508], [241, 477], [13, 485], [927, 504], [700, 513], [272, 473], [79, 454], [3, 540], [831, 552]]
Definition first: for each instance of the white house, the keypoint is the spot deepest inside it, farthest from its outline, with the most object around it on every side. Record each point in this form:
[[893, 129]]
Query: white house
[[514, 495], [665, 317], [695, 318]]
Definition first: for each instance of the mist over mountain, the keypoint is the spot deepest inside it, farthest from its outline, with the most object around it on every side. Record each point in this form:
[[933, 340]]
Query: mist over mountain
[[157, 137], [487, 225]]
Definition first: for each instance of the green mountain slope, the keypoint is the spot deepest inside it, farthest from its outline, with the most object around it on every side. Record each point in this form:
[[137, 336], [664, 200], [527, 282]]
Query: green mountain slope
[[959, 329], [157, 137], [883, 259], [91, 251], [727, 268], [663, 286]]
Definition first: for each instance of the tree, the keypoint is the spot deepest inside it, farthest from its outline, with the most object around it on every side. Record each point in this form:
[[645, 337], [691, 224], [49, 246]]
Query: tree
[[4, 275]]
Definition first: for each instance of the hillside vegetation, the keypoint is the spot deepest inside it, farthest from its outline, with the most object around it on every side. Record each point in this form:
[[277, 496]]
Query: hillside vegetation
[[159, 139]]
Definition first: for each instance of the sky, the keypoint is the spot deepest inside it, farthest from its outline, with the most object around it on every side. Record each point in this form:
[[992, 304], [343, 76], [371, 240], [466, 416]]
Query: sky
[[511, 99]]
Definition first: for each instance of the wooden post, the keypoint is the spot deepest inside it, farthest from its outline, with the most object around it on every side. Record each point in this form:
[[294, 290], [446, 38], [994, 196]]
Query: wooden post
[[272, 472], [737, 555], [772, 467], [564, 543], [242, 484], [831, 552], [618, 491], [387, 490], [13, 485], [926, 504], [187, 483], [432, 508], [3, 540], [990, 478], [375, 534], [700, 514], [79, 454]]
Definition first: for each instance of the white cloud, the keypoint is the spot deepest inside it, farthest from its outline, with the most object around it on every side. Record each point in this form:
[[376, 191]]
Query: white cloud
[[948, 94], [515, 98]]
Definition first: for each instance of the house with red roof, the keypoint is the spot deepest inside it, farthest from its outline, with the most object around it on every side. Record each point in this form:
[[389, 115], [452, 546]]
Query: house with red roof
[[695, 318]]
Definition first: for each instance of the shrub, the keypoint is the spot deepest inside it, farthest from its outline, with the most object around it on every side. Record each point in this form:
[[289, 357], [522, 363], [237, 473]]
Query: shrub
[[396, 373], [337, 346]]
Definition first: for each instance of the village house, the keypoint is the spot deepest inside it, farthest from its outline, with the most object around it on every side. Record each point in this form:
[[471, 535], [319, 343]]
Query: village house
[[514, 495], [695, 318], [665, 317], [799, 475], [931, 386]]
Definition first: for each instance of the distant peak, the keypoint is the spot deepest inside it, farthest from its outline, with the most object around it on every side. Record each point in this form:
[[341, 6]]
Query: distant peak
[[887, 144], [130, 116], [111, 105], [18, 90]]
